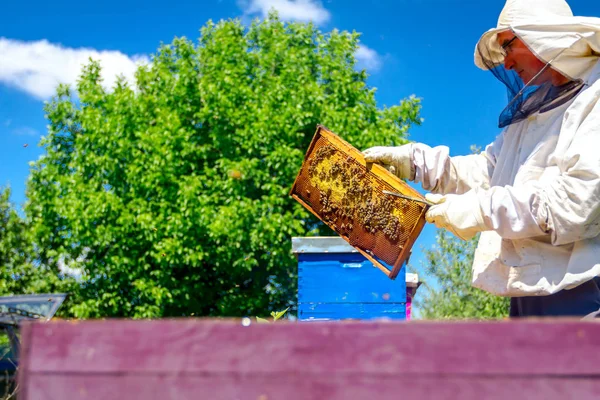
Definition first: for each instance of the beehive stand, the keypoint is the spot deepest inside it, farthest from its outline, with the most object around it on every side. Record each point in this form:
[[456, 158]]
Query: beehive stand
[[342, 190]]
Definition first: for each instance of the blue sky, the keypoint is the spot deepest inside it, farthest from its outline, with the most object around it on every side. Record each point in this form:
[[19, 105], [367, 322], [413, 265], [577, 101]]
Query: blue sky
[[421, 47]]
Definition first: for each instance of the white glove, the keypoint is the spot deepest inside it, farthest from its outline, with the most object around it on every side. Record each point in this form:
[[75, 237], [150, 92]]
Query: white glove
[[397, 160], [460, 214]]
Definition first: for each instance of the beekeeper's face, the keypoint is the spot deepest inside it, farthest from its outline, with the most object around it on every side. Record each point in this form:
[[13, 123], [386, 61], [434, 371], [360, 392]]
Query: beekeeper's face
[[519, 58]]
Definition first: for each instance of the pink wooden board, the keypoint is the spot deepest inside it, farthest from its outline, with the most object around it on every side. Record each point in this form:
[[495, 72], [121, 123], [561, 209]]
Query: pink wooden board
[[305, 386], [209, 359]]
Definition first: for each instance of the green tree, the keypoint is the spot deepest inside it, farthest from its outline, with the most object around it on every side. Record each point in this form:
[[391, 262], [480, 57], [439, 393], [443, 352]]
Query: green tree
[[173, 193], [19, 273], [448, 294]]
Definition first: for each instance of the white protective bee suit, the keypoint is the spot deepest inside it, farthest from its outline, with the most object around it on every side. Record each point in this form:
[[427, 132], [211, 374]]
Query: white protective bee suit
[[534, 193]]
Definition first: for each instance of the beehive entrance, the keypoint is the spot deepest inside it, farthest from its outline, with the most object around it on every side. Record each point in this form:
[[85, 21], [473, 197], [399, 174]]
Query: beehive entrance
[[336, 185]]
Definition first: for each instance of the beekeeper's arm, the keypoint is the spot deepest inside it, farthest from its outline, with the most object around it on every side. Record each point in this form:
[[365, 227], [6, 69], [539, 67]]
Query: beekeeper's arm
[[564, 203], [435, 169]]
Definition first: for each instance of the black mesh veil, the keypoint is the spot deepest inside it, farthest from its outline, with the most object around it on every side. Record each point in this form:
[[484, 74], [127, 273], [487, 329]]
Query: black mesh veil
[[525, 98]]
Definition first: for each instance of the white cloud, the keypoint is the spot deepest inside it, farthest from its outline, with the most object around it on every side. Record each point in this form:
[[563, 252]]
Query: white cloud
[[25, 131], [72, 267], [298, 10], [368, 58], [75, 272], [38, 67]]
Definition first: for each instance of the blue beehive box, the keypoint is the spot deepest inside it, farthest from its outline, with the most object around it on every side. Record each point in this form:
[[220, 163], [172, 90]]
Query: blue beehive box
[[336, 282]]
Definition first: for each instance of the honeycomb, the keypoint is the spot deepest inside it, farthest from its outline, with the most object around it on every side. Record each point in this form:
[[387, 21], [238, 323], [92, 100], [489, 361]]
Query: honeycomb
[[337, 186]]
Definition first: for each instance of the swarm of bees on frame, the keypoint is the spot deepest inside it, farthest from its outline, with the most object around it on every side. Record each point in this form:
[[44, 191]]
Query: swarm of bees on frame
[[347, 198]]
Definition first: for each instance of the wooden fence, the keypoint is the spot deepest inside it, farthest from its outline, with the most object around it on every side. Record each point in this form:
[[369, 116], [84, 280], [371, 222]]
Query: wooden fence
[[223, 359]]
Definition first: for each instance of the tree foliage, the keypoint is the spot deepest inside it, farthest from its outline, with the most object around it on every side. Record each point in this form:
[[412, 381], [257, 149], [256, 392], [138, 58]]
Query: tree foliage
[[19, 274], [448, 294], [172, 195]]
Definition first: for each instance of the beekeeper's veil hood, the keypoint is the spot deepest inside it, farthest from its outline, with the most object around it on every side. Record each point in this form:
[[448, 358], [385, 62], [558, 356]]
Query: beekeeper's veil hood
[[569, 45]]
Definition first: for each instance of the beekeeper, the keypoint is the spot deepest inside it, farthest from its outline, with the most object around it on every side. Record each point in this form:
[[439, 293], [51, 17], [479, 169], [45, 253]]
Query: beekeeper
[[534, 193]]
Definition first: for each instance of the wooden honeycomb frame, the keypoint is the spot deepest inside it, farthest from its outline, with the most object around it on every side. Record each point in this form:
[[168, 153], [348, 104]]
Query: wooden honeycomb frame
[[342, 190]]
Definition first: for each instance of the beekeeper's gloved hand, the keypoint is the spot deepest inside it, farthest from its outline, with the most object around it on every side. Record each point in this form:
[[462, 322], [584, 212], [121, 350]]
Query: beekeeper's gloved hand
[[460, 214], [397, 160]]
